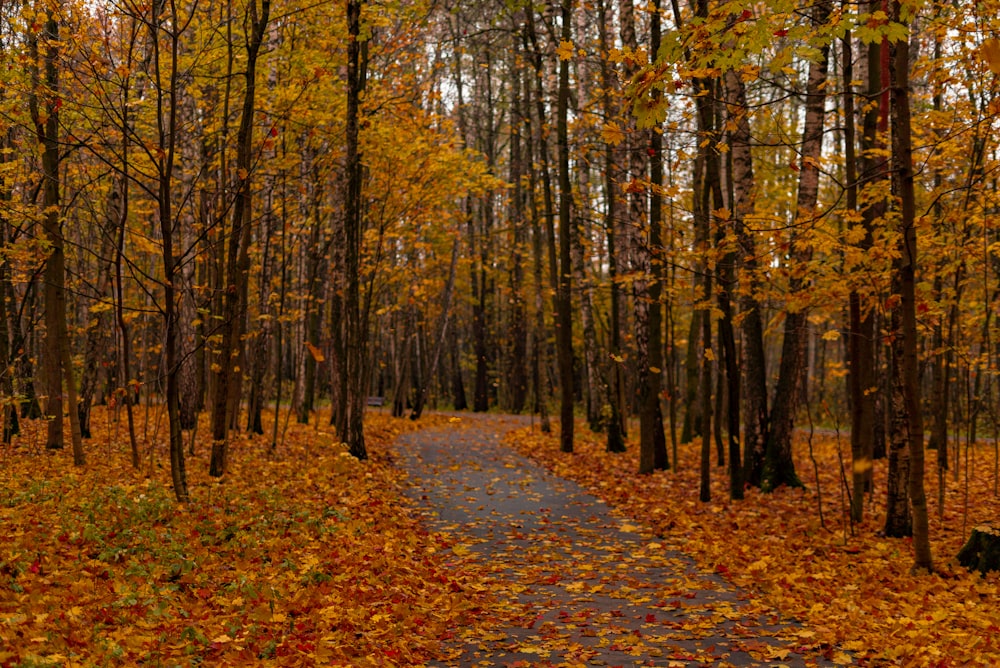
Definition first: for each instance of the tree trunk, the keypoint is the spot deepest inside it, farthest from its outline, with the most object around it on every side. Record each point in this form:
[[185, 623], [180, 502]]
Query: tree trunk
[[305, 401], [905, 269], [859, 343], [548, 213], [353, 377], [612, 175], [982, 551], [57, 360], [233, 325], [166, 119], [755, 424], [649, 343], [779, 467], [564, 296], [440, 335], [517, 373]]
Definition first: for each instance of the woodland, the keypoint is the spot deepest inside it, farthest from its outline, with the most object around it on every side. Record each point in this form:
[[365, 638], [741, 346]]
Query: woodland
[[737, 258]]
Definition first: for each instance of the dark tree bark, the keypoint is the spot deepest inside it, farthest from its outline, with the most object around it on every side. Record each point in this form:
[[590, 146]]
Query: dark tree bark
[[44, 103], [905, 267], [238, 259], [353, 377], [649, 343], [517, 345], [166, 134], [564, 295], [440, 336], [863, 385], [779, 467], [315, 251], [612, 176], [8, 400], [982, 551], [548, 213], [459, 402], [859, 351]]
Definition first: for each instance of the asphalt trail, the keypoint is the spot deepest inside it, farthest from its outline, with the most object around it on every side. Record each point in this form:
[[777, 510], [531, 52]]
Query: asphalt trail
[[586, 586]]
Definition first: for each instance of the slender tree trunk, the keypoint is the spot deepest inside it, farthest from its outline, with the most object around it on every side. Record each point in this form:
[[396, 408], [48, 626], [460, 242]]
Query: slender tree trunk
[[548, 206], [612, 176], [779, 467], [652, 440], [166, 120], [517, 376], [539, 351], [305, 402], [755, 425], [564, 295], [440, 335], [905, 269], [353, 377], [8, 405], [226, 399], [57, 361], [859, 340]]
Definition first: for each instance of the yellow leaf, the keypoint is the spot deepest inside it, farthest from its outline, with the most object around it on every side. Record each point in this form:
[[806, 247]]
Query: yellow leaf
[[532, 649], [843, 659], [565, 50], [831, 335], [990, 51], [316, 353], [612, 134]]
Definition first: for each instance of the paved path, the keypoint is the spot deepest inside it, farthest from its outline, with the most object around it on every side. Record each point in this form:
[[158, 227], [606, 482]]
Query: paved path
[[587, 586]]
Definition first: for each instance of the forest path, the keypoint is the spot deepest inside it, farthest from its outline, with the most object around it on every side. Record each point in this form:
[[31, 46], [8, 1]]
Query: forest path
[[586, 585]]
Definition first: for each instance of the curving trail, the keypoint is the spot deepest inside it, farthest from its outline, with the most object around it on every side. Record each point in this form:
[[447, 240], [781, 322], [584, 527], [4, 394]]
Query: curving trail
[[585, 586]]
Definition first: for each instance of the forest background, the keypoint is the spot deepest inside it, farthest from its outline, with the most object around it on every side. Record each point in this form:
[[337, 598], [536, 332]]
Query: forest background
[[705, 223]]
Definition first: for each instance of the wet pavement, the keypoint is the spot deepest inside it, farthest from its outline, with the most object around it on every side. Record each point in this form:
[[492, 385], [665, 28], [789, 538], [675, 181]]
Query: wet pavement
[[584, 585]]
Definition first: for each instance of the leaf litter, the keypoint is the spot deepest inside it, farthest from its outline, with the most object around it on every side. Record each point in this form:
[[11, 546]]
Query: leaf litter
[[576, 583], [851, 590], [301, 557], [307, 557]]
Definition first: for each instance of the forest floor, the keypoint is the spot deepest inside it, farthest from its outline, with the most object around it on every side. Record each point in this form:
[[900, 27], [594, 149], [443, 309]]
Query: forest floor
[[302, 556], [578, 583], [795, 550], [305, 556]]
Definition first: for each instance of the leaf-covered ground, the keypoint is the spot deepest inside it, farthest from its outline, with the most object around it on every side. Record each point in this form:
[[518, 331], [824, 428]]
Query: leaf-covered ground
[[854, 591], [580, 584], [302, 557]]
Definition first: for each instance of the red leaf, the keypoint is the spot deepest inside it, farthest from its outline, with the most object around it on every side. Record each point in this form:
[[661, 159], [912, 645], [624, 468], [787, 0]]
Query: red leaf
[[781, 33], [746, 15]]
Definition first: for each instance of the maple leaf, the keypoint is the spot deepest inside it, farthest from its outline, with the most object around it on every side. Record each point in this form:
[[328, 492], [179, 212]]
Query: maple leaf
[[612, 134], [990, 52]]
